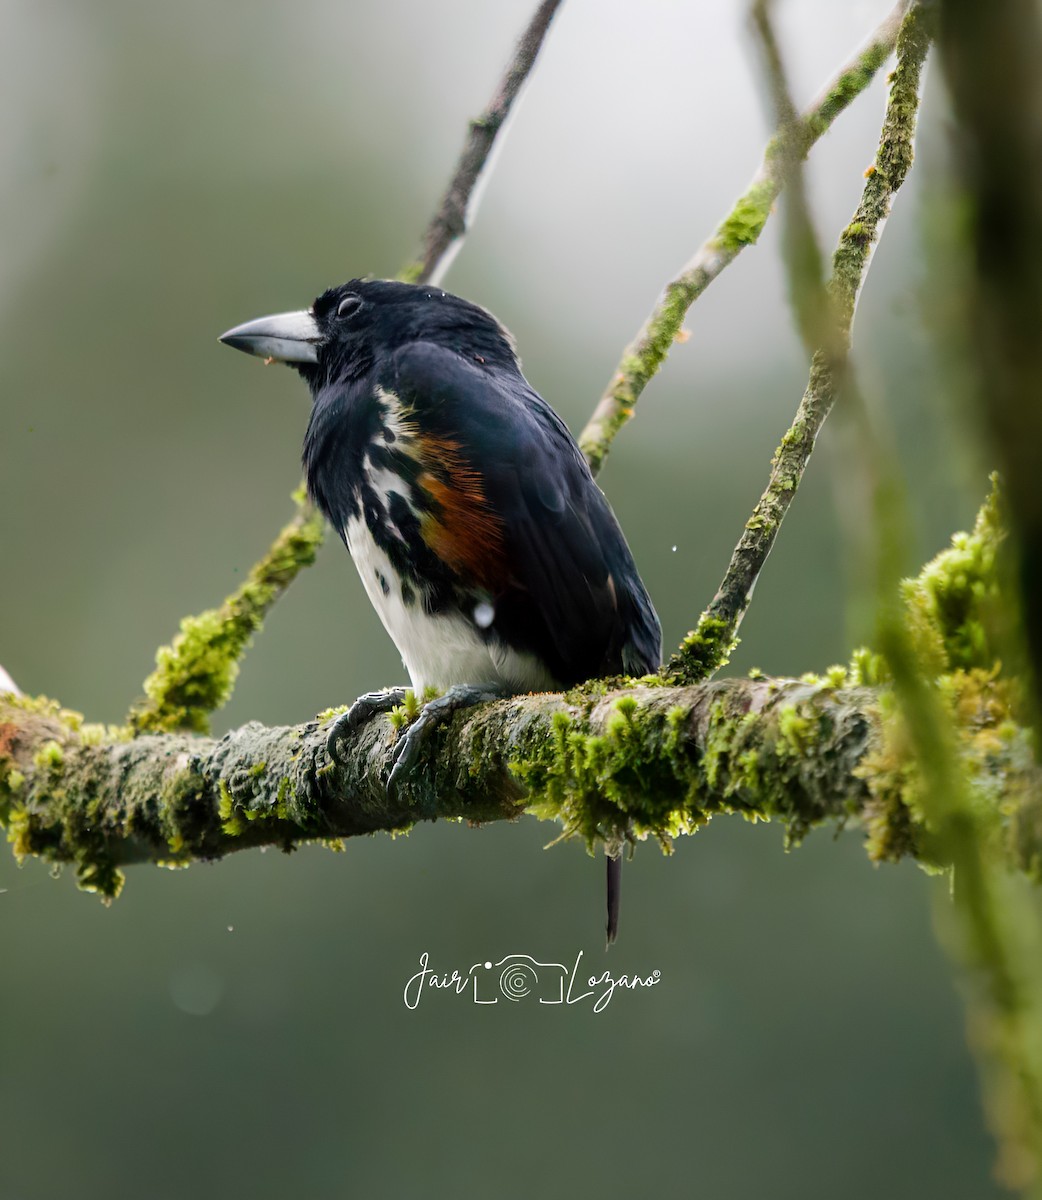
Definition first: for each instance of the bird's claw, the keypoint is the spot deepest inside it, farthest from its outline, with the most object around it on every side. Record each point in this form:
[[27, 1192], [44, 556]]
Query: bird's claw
[[364, 709], [434, 712]]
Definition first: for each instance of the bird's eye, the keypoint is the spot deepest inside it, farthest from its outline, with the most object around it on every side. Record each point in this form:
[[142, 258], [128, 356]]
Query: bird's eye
[[349, 306]]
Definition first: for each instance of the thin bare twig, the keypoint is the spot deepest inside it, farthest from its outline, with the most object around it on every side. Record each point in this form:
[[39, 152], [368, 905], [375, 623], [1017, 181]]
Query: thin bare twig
[[708, 646], [449, 224], [740, 228]]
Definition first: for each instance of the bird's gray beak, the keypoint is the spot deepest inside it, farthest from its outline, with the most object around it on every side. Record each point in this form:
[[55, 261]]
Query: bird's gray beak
[[291, 337]]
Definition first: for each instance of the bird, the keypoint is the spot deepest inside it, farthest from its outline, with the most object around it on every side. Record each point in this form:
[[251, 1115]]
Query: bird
[[486, 547]]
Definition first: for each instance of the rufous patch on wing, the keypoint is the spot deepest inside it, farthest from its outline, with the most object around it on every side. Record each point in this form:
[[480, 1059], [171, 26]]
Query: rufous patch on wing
[[461, 529]]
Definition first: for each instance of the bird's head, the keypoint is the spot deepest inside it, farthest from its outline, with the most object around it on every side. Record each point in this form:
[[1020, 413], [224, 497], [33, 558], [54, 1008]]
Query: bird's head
[[350, 327]]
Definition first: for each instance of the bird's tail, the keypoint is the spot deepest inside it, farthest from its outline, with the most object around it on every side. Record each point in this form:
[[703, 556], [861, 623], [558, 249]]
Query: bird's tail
[[614, 895]]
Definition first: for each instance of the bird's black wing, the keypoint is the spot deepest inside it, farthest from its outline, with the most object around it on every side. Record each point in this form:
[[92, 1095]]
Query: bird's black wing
[[573, 593]]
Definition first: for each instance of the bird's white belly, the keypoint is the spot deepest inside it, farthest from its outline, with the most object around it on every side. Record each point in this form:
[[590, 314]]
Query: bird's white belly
[[442, 649]]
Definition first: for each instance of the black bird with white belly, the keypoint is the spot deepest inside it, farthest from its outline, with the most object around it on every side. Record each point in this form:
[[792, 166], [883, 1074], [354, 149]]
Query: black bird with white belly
[[488, 551]]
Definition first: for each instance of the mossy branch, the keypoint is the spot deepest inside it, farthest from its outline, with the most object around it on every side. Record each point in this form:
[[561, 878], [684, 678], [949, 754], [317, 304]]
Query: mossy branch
[[611, 761], [196, 673], [740, 228], [707, 648], [626, 764]]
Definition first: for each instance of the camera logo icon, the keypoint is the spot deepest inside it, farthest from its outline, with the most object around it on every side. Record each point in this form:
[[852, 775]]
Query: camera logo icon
[[517, 977]]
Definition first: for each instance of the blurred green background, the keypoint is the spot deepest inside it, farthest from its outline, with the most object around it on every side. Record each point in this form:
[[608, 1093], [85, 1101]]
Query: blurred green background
[[167, 171]]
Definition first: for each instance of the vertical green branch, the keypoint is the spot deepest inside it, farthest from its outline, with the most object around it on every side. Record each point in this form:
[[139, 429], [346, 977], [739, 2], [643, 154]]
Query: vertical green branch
[[991, 54], [990, 927], [940, 646], [941, 688]]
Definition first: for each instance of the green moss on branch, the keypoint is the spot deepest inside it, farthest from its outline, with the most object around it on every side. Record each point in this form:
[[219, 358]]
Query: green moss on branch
[[614, 761], [623, 765]]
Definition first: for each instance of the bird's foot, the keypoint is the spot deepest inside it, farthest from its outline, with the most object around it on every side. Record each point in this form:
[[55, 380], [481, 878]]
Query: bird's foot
[[364, 709], [434, 712]]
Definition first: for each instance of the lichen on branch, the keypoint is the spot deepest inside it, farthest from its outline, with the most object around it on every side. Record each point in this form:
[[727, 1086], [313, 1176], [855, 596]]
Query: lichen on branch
[[609, 764], [611, 761]]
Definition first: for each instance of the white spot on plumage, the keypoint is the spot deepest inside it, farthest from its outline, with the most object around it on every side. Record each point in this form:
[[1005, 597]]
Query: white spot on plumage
[[484, 614]]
